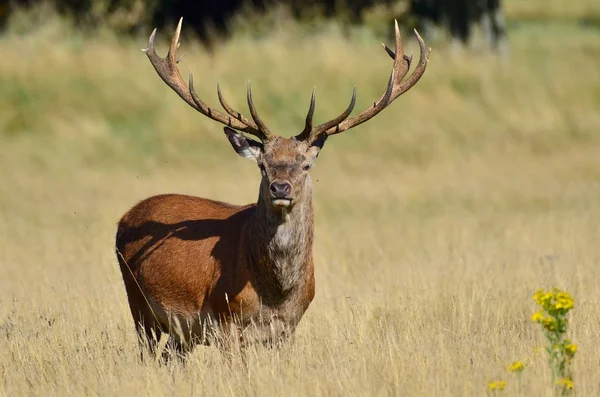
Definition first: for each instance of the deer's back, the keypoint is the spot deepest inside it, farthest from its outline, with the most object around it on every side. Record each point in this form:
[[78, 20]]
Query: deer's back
[[177, 250]]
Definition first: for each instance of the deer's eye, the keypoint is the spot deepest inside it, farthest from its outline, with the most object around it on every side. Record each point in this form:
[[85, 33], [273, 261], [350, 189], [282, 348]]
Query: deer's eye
[[306, 167]]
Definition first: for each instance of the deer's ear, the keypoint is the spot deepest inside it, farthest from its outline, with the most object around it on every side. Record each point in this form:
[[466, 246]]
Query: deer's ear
[[243, 146], [316, 147], [313, 152]]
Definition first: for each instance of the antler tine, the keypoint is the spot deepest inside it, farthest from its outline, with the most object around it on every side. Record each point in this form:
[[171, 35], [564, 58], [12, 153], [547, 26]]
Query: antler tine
[[166, 69], [395, 86], [318, 130], [232, 112], [305, 134], [392, 55], [402, 65], [389, 51], [169, 73], [175, 43], [419, 70], [261, 126]]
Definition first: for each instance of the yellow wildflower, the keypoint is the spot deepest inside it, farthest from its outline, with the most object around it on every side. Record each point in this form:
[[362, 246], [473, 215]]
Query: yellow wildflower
[[549, 323], [517, 366], [566, 383], [537, 317], [499, 385], [564, 301], [546, 299], [570, 349], [537, 297]]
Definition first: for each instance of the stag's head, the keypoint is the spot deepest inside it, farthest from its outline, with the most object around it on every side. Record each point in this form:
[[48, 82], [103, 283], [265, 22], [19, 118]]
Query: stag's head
[[285, 162]]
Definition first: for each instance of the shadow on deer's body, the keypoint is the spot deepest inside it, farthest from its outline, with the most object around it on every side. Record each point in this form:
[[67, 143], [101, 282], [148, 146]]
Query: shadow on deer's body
[[198, 268]]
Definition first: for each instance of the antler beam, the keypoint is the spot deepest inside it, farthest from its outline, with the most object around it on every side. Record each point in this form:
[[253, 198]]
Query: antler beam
[[169, 73], [394, 89]]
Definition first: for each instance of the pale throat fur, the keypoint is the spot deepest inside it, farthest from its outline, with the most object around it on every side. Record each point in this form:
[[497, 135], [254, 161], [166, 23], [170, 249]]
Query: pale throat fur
[[281, 248]]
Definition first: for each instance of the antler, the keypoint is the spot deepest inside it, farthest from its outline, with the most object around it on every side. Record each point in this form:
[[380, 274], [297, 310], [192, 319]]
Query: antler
[[169, 73], [395, 88]]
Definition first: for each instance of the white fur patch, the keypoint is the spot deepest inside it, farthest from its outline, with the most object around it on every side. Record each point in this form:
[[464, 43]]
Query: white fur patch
[[282, 202]]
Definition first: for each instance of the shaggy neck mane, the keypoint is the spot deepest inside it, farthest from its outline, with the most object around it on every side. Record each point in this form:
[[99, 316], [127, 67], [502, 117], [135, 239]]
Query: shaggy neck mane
[[280, 245]]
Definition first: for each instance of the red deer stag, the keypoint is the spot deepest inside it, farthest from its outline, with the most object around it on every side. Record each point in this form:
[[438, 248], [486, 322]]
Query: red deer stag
[[192, 264]]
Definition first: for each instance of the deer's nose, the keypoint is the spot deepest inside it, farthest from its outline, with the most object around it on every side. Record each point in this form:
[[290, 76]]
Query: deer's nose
[[280, 190]]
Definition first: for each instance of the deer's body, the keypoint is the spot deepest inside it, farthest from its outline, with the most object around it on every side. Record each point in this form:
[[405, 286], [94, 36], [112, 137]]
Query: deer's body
[[192, 265], [201, 263]]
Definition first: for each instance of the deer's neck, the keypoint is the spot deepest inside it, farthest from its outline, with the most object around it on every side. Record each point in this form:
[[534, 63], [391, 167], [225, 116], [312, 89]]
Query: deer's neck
[[280, 245]]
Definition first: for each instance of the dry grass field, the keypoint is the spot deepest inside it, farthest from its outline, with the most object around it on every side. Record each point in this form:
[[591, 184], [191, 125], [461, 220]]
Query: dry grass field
[[435, 222]]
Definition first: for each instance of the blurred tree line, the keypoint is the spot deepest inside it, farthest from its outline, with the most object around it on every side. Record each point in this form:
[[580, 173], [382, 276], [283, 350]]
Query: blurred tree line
[[209, 17], [204, 16]]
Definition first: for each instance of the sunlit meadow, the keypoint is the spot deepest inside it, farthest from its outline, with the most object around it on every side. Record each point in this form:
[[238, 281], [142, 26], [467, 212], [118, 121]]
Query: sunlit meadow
[[435, 222]]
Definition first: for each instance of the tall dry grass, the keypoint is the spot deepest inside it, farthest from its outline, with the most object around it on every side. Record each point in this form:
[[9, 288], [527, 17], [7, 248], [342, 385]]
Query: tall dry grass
[[435, 222]]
